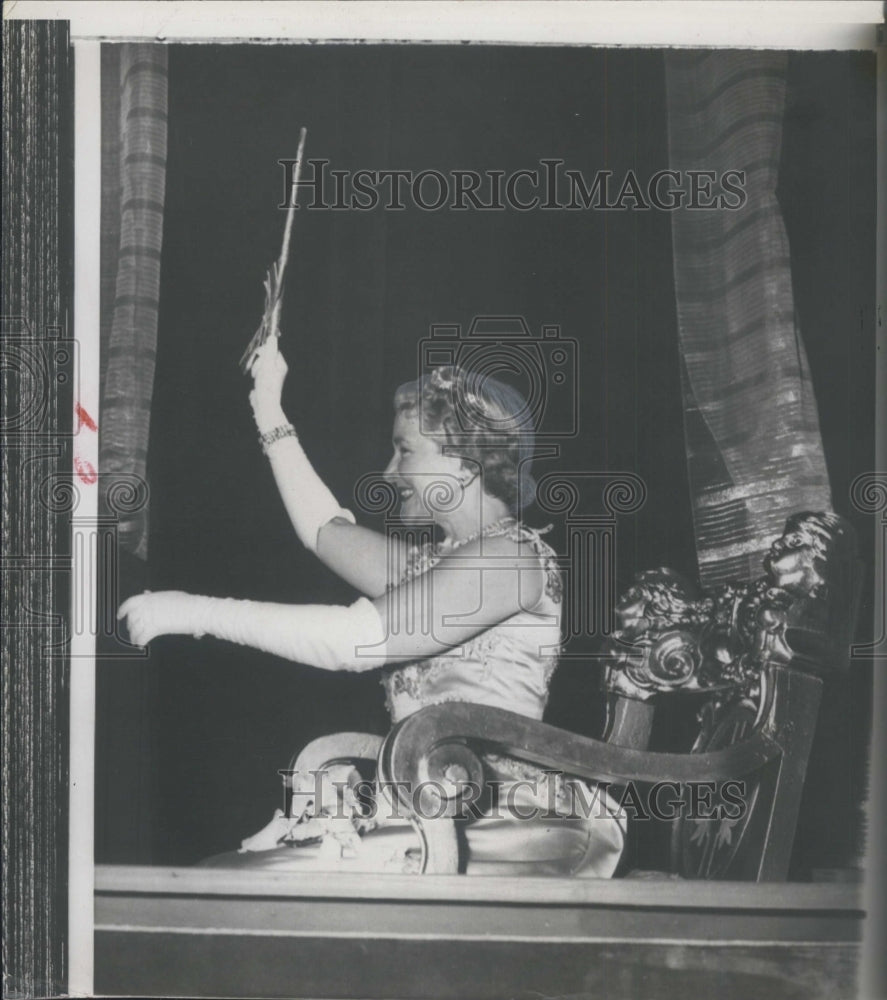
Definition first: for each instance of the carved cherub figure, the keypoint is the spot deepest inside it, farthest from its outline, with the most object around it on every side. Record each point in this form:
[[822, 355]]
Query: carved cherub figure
[[656, 600], [797, 561]]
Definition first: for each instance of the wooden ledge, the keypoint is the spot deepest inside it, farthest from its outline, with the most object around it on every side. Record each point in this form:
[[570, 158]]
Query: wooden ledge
[[650, 892]]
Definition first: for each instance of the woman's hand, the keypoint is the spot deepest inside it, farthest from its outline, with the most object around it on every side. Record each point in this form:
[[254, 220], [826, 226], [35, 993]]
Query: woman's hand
[[269, 372], [168, 612]]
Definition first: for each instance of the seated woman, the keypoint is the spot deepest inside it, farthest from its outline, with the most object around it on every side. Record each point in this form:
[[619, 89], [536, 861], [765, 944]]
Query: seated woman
[[474, 617]]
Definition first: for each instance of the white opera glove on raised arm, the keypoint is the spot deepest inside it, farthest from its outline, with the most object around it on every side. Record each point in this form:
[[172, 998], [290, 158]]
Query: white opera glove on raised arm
[[331, 637], [307, 499]]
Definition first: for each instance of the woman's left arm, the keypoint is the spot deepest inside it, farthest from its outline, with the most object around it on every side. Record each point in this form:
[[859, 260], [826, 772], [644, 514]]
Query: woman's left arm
[[465, 594]]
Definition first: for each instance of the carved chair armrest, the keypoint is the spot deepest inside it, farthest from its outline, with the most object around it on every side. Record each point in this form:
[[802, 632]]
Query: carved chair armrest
[[433, 743]]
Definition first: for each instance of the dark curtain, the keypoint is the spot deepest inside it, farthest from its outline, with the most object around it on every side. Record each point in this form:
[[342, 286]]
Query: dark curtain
[[134, 113], [754, 450]]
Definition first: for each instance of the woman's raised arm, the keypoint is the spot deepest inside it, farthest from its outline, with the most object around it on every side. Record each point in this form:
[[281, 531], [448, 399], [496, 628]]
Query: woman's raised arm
[[366, 559], [360, 556]]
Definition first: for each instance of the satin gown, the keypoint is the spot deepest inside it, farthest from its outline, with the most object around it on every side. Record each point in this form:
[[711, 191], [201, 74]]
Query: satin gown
[[572, 829]]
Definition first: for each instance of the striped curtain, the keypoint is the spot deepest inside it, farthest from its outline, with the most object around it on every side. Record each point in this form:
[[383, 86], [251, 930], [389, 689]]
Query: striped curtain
[[134, 111], [754, 449]]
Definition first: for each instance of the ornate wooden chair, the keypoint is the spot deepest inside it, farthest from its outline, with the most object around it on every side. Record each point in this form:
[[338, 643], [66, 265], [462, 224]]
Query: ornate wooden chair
[[755, 655]]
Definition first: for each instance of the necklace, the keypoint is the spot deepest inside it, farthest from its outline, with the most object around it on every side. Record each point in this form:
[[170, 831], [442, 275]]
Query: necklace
[[490, 529], [422, 559]]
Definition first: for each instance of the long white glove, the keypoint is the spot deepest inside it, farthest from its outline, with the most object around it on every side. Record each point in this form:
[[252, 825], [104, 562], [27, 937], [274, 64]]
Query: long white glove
[[331, 637], [308, 501]]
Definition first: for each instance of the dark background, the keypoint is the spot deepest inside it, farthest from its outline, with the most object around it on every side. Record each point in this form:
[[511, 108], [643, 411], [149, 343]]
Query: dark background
[[189, 743]]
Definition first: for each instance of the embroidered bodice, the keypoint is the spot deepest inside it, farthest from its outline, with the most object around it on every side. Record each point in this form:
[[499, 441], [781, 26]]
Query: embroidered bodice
[[507, 666]]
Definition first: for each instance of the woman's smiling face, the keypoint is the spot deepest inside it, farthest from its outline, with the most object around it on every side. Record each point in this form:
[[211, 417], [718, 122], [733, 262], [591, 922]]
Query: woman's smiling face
[[420, 472]]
